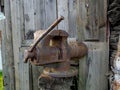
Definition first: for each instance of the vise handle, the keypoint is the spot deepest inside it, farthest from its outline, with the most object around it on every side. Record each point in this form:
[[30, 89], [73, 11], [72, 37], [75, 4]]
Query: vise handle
[[50, 28]]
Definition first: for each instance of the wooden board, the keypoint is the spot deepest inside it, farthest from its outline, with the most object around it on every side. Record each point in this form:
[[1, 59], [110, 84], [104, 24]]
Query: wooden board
[[17, 20], [29, 15], [7, 50], [98, 66], [91, 16], [92, 31], [9, 63], [94, 67], [25, 72], [72, 18], [62, 10], [92, 70]]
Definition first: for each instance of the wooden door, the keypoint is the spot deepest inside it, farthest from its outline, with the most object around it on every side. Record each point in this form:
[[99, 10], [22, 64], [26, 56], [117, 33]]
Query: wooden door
[[84, 20]]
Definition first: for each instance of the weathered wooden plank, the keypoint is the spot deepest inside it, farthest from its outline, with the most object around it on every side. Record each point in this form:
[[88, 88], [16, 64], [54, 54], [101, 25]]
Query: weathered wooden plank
[[3, 47], [16, 39], [91, 74], [50, 16], [93, 68], [17, 27], [7, 50], [92, 31], [62, 9], [103, 34], [102, 15], [81, 19], [29, 15], [39, 14], [88, 20], [83, 73], [102, 6], [22, 21], [9, 63], [83, 63], [98, 67], [25, 73], [29, 25], [4, 60], [72, 18]]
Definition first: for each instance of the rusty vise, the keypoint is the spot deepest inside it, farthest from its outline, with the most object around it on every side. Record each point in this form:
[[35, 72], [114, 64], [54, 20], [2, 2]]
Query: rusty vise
[[55, 52]]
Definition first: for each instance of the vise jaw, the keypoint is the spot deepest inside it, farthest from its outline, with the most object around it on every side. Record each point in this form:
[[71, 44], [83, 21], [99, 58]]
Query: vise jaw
[[56, 53]]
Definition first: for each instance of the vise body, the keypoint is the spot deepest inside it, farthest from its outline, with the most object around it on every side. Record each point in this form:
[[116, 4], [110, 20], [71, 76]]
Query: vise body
[[53, 50], [58, 54], [55, 53]]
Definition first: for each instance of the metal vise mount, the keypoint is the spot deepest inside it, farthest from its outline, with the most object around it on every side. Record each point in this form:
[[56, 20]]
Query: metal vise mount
[[55, 53]]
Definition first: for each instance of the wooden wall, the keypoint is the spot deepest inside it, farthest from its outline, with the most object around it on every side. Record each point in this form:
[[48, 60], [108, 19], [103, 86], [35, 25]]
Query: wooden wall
[[84, 20]]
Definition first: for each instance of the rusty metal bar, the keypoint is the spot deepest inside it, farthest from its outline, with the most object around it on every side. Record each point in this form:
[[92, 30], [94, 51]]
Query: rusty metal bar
[[47, 31], [50, 28]]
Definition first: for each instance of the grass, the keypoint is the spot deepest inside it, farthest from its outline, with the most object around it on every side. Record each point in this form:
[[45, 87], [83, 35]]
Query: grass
[[1, 80]]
